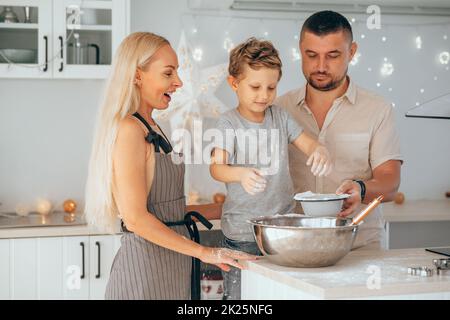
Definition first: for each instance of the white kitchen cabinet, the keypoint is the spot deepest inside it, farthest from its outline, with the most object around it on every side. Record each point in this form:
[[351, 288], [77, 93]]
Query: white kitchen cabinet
[[31, 268], [23, 269], [32, 42], [102, 252], [5, 272], [100, 29], [75, 267], [87, 263], [72, 39], [50, 273]]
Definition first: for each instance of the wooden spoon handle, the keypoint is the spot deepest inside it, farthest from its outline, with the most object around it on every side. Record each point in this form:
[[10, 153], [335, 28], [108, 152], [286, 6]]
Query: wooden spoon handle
[[366, 211]]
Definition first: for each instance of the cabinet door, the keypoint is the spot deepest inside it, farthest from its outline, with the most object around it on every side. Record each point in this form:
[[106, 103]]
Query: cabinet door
[[26, 44], [5, 273], [86, 34], [76, 267], [50, 271], [23, 268], [102, 252]]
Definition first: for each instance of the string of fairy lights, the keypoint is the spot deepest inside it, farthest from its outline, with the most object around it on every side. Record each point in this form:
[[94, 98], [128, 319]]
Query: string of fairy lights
[[386, 68]]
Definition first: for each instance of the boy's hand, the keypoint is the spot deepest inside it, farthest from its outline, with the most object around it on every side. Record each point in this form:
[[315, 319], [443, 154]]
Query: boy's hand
[[321, 161], [252, 180]]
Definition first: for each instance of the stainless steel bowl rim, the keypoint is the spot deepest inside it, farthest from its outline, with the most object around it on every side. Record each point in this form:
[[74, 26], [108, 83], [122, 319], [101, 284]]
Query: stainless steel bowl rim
[[254, 221]]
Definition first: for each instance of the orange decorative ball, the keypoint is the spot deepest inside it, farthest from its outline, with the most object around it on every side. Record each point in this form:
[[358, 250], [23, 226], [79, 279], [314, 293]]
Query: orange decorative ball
[[219, 198], [399, 198], [70, 206]]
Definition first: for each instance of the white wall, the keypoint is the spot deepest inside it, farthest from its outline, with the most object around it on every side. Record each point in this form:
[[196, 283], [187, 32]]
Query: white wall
[[46, 125], [45, 136]]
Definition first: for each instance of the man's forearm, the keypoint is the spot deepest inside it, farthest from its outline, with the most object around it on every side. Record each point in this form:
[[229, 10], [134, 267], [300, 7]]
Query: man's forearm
[[385, 184]]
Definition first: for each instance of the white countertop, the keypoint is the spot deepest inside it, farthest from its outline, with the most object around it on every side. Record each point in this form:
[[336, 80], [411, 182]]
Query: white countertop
[[348, 278], [37, 232], [66, 231], [412, 210], [417, 210]]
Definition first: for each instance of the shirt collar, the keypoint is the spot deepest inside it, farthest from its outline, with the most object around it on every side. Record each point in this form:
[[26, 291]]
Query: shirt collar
[[350, 94]]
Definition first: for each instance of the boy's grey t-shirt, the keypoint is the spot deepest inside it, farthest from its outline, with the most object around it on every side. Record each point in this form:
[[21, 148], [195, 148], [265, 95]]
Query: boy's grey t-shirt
[[262, 146]]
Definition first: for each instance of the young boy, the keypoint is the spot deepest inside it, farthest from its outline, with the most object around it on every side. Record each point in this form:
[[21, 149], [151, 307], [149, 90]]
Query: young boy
[[256, 173]]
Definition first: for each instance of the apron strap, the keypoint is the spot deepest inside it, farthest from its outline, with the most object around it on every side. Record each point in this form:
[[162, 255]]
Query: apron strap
[[195, 236], [153, 137]]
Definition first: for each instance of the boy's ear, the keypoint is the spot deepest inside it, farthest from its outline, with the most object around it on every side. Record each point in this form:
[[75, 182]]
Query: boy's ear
[[233, 82]]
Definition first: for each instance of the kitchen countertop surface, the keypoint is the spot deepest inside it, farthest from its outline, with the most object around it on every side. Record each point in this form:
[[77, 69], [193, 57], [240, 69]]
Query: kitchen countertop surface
[[54, 225], [417, 210], [349, 277], [413, 210]]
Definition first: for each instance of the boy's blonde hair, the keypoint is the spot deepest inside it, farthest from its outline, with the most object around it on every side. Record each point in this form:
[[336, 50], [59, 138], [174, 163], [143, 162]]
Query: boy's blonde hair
[[256, 54]]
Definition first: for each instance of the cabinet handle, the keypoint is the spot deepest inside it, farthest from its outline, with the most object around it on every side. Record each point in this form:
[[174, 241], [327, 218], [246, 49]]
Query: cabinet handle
[[61, 40], [46, 54], [82, 259], [98, 254]]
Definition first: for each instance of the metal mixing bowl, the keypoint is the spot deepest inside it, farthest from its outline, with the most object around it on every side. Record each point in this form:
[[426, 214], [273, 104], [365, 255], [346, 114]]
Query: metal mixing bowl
[[294, 240], [18, 55]]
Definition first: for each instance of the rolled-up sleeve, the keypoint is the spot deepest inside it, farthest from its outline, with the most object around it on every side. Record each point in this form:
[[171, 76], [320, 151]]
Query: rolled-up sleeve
[[385, 144]]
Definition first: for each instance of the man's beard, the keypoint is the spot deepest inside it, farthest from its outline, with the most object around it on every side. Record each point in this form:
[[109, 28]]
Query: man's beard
[[332, 84]]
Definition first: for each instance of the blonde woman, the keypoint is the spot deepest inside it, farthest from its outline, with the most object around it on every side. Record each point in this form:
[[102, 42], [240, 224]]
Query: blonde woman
[[132, 176]]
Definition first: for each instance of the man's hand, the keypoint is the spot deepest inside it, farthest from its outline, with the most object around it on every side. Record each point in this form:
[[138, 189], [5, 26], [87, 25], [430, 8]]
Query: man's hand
[[350, 204]]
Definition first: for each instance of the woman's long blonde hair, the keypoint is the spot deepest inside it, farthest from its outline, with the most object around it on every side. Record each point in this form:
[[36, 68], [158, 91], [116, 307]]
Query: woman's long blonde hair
[[121, 98]]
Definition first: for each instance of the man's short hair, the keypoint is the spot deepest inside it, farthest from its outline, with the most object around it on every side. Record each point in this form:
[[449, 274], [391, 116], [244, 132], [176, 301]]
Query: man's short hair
[[325, 22]]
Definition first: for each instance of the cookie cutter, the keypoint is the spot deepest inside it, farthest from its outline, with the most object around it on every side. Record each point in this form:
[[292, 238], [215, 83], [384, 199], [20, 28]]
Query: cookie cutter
[[420, 271], [441, 264]]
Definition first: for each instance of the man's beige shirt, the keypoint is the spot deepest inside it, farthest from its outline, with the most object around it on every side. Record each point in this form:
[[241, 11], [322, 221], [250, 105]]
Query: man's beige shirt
[[360, 133]]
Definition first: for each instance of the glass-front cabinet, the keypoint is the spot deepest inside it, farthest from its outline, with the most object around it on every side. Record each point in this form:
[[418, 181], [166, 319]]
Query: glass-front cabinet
[[60, 38], [25, 38]]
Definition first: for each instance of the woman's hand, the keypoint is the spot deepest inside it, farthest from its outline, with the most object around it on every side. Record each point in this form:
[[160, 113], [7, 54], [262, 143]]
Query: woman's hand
[[224, 258], [252, 180], [321, 161]]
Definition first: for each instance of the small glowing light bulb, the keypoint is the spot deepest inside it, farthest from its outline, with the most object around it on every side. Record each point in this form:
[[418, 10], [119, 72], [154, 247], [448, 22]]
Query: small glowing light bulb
[[418, 42], [444, 57], [387, 69]]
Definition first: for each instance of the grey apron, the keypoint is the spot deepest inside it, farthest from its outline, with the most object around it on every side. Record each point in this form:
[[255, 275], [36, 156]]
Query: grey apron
[[144, 270]]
